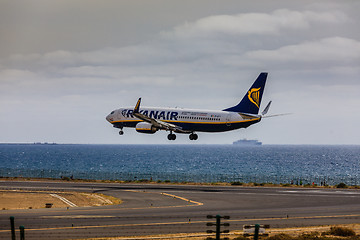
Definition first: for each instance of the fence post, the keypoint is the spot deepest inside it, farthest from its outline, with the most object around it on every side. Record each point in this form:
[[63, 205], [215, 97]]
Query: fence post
[[22, 233], [218, 232], [256, 233], [12, 223], [218, 227]]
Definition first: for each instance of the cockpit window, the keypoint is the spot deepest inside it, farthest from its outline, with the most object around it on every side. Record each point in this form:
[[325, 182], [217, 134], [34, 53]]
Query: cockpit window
[[112, 112]]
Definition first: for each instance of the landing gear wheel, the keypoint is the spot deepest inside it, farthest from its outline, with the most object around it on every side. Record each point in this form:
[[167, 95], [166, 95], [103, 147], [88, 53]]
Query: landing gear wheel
[[171, 136], [121, 132], [193, 136]]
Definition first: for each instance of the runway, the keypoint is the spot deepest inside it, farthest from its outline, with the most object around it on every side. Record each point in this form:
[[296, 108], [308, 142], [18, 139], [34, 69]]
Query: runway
[[150, 209]]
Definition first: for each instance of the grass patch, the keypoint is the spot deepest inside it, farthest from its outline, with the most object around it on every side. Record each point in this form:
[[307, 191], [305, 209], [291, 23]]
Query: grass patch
[[341, 231], [281, 236], [341, 185], [236, 183]]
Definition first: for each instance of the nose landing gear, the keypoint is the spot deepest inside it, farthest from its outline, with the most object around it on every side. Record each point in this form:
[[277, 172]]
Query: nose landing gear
[[121, 132]]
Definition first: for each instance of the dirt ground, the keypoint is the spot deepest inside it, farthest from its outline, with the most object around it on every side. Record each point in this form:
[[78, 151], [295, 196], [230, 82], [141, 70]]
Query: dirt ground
[[20, 199], [202, 236]]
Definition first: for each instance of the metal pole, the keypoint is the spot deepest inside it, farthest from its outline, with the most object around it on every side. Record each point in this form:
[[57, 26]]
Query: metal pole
[[12, 223], [256, 234], [218, 227], [22, 233]]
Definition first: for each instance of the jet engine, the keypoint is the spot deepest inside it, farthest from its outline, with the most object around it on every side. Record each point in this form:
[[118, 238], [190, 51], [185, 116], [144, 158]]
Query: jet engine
[[144, 127]]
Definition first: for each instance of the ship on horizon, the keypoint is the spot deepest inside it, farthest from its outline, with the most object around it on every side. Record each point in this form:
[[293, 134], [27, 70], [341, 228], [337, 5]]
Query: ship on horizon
[[247, 142]]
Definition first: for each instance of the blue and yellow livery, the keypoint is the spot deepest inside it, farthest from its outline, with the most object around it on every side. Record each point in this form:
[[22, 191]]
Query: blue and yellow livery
[[189, 121]]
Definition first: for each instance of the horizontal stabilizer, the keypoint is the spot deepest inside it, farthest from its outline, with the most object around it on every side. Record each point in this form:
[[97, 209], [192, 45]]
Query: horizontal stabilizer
[[277, 115]]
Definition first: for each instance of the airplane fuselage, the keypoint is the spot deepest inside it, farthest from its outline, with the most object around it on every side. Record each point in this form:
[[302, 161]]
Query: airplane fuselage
[[188, 119]]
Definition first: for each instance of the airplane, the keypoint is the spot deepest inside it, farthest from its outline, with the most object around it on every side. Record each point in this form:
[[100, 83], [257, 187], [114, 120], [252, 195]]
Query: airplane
[[189, 121]]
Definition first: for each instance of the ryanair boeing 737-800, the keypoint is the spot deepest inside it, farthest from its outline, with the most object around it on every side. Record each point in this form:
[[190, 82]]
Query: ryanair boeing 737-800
[[190, 121]]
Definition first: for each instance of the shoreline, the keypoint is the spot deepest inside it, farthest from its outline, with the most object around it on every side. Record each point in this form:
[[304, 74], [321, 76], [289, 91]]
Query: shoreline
[[168, 182]]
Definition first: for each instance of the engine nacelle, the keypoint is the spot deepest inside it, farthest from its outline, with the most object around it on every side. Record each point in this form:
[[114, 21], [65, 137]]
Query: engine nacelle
[[144, 127]]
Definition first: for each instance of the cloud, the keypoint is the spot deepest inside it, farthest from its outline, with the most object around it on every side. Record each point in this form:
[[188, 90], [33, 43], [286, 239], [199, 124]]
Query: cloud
[[217, 39], [229, 46], [338, 50], [256, 23], [17, 82]]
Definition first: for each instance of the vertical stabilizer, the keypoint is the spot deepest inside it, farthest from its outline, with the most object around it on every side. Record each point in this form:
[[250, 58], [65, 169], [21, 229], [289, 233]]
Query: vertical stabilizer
[[252, 99]]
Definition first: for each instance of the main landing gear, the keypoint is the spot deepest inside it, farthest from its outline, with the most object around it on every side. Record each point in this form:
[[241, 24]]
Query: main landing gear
[[193, 136], [171, 136]]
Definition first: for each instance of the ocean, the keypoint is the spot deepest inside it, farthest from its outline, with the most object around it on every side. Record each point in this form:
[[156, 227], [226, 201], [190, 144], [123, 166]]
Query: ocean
[[185, 163]]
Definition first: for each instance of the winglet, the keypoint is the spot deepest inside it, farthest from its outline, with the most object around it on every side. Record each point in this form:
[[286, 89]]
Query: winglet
[[137, 106]]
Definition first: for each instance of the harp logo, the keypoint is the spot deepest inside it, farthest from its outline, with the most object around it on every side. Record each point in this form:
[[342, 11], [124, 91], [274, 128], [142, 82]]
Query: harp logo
[[254, 96]]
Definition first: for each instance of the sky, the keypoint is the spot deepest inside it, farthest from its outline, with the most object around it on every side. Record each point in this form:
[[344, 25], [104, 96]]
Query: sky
[[66, 64]]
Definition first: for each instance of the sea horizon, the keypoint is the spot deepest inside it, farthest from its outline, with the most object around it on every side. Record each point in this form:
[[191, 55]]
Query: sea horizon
[[268, 163], [181, 144]]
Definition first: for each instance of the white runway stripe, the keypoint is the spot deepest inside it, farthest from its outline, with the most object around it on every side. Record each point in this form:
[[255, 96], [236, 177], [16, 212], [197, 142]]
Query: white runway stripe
[[103, 199], [64, 200]]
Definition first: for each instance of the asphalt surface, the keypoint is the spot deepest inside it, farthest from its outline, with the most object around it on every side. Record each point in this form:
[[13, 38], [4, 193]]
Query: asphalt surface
[[150, 209]]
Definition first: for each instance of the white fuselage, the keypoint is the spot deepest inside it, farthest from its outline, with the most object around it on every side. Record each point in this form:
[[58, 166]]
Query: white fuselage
[[188, 119]]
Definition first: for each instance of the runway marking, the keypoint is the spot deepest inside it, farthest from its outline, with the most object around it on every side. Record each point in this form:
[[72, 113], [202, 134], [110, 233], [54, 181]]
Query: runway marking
[[321, 192], [186, 222], [170, 195], [104, 200], [79, 216], [71, 204], [135, 191], [90, 209], [294, 193], [184, 199], [286, 218]]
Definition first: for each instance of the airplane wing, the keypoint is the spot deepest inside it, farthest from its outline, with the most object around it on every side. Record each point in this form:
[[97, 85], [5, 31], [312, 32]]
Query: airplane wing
[[156, 123]]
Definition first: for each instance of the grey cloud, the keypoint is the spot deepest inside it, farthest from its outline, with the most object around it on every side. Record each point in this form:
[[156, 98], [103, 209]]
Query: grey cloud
[[188, 61], [184, 47], [256, 23], [334, 51]]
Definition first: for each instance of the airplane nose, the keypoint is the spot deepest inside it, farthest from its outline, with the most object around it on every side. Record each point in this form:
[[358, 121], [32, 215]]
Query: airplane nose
[[108, 118], [111, 116]]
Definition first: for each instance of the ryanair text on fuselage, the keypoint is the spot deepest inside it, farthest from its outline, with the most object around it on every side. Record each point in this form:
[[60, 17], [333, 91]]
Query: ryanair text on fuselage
[[189, 121], [160, 115]]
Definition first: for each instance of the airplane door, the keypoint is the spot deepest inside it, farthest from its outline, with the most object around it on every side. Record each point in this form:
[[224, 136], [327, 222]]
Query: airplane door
[[228, 123]]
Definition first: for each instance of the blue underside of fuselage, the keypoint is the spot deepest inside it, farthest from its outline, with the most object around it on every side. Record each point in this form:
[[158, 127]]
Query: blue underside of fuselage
[[198, 127]]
